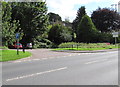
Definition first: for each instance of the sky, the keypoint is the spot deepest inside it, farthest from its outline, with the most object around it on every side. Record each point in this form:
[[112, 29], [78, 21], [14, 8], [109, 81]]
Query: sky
[[69, 8]]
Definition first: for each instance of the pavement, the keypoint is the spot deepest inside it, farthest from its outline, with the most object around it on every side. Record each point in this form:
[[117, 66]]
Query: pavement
[[62, 68]]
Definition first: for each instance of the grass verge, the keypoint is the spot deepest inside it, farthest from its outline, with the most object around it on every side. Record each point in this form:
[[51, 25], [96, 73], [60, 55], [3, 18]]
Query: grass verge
[[85, 46], [9, 55], [83, 49]]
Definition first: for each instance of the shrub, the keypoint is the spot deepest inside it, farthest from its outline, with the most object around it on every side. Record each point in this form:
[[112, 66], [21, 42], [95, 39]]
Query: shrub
[[59, 33], [67, 45], [106, 37], [42, 43], [87, 31], [85, 45], [3, 47]]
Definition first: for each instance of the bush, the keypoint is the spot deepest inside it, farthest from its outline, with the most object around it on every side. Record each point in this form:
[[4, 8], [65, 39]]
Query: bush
[[59, 33], [87, 31], [106, 37], [3, 47], [67, 45], [85, 45], [42, 43]]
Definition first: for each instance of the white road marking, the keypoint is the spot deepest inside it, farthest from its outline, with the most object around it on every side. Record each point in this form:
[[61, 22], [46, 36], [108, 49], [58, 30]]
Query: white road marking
[[35, 74], [96, 61], [91, 62], [36, 59]]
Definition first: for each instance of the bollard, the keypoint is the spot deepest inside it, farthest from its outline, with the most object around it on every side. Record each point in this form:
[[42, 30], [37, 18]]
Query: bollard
[[23, 48], [77, 46]]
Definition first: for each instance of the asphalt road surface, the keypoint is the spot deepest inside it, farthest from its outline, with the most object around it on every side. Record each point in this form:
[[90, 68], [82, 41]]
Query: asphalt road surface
[[71, 69]]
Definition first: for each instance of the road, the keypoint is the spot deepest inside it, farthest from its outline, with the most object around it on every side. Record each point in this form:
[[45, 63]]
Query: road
[[74, 69]]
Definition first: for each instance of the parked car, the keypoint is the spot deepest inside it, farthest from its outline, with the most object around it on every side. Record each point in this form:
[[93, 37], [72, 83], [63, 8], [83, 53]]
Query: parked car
[[15, 45], [29, 45]]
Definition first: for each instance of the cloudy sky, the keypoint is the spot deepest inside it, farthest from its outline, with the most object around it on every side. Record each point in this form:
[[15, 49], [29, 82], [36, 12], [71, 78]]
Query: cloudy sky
[[68, 8]]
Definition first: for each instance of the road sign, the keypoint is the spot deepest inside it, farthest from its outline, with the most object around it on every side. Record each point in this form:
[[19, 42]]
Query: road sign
[[115, 34], [17, 35]]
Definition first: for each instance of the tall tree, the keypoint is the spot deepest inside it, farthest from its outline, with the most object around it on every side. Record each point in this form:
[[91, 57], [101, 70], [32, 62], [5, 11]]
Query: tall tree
[[33, 19], [80, 13], [106, 20], [59, 33], [87, 32], [54, 18], [8, 26]]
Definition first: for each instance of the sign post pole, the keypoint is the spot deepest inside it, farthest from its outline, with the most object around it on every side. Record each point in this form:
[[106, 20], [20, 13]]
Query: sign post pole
[[17, 37], [17, 46], [115, 40]]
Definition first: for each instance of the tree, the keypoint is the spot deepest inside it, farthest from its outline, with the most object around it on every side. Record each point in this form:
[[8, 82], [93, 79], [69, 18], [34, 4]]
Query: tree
[[106, 20], [80, 13], [67, 19], [9, 26], [54, 18], [87, 32], [59, 33], [33, 19]]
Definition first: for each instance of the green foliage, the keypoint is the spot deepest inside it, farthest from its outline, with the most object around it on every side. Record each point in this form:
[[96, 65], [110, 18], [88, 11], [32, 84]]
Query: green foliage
[[33, 19], [87, 32], [80, 13], [54, 18], [3, 47], [68, 45], [9, 26], [59, 33], [86, 46], [42, 43], [106, 37]]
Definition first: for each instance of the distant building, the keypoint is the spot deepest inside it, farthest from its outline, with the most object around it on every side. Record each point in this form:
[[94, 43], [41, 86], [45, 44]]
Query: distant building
[[119, 7], [67, 24]]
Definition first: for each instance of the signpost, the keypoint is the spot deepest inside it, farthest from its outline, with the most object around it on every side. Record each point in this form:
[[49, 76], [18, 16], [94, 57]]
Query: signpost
[[115, 35], [17, 38]]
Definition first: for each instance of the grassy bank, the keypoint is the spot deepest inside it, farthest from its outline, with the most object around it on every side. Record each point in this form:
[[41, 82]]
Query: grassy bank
[[8, 55]]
